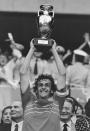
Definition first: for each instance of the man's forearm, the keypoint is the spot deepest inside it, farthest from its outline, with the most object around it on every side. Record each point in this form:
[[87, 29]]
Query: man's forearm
[[59, 63], [26, 63]]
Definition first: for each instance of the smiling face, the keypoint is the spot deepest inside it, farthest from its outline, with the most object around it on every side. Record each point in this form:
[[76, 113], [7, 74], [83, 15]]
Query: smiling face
[[66, 112], [44, 88]]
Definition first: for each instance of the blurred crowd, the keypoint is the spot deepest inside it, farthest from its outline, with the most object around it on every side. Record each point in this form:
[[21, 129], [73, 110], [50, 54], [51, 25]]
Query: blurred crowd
[[74, 87]]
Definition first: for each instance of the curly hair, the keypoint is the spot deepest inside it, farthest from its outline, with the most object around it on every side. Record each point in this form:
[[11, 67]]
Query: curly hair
[[48, 77]]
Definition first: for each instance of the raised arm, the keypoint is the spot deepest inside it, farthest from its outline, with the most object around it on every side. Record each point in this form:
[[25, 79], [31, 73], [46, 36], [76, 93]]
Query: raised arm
[[60, 67], [25, 69], [86, 41], [68, 53]]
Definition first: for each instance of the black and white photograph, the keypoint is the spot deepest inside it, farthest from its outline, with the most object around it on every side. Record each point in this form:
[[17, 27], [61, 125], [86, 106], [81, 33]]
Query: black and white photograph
[[44, 65]]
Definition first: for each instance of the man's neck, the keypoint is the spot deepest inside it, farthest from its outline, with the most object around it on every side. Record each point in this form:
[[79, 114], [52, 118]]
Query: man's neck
[[18, 120], [66, 121]]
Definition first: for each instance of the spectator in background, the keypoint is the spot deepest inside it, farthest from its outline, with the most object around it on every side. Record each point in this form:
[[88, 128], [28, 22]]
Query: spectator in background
[[6, 119], [6, 115], [7, 65], [76, 74], [66, 115], [12, 117], [3, 59], [17, 116], [6, 68]]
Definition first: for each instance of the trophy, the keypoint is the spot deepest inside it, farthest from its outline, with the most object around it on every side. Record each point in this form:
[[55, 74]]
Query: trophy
[[45, 22]]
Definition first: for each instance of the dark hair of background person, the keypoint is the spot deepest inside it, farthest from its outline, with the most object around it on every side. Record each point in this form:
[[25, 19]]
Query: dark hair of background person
[[79, 58]]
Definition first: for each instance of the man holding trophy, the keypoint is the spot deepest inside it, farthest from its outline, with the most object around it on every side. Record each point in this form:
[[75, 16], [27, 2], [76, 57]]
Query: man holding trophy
[[42, 103]]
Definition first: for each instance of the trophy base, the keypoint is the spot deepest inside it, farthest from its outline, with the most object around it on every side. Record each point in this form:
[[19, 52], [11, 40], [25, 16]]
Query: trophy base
[[43, 44]]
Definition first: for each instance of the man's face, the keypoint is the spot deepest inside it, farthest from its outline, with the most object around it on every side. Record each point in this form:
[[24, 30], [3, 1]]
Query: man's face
[[16, 110], [7, 116], [66, 112], [44, 88]]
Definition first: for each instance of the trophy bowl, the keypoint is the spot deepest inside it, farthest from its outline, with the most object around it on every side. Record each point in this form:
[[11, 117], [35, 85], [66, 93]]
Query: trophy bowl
[[45, 19]]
